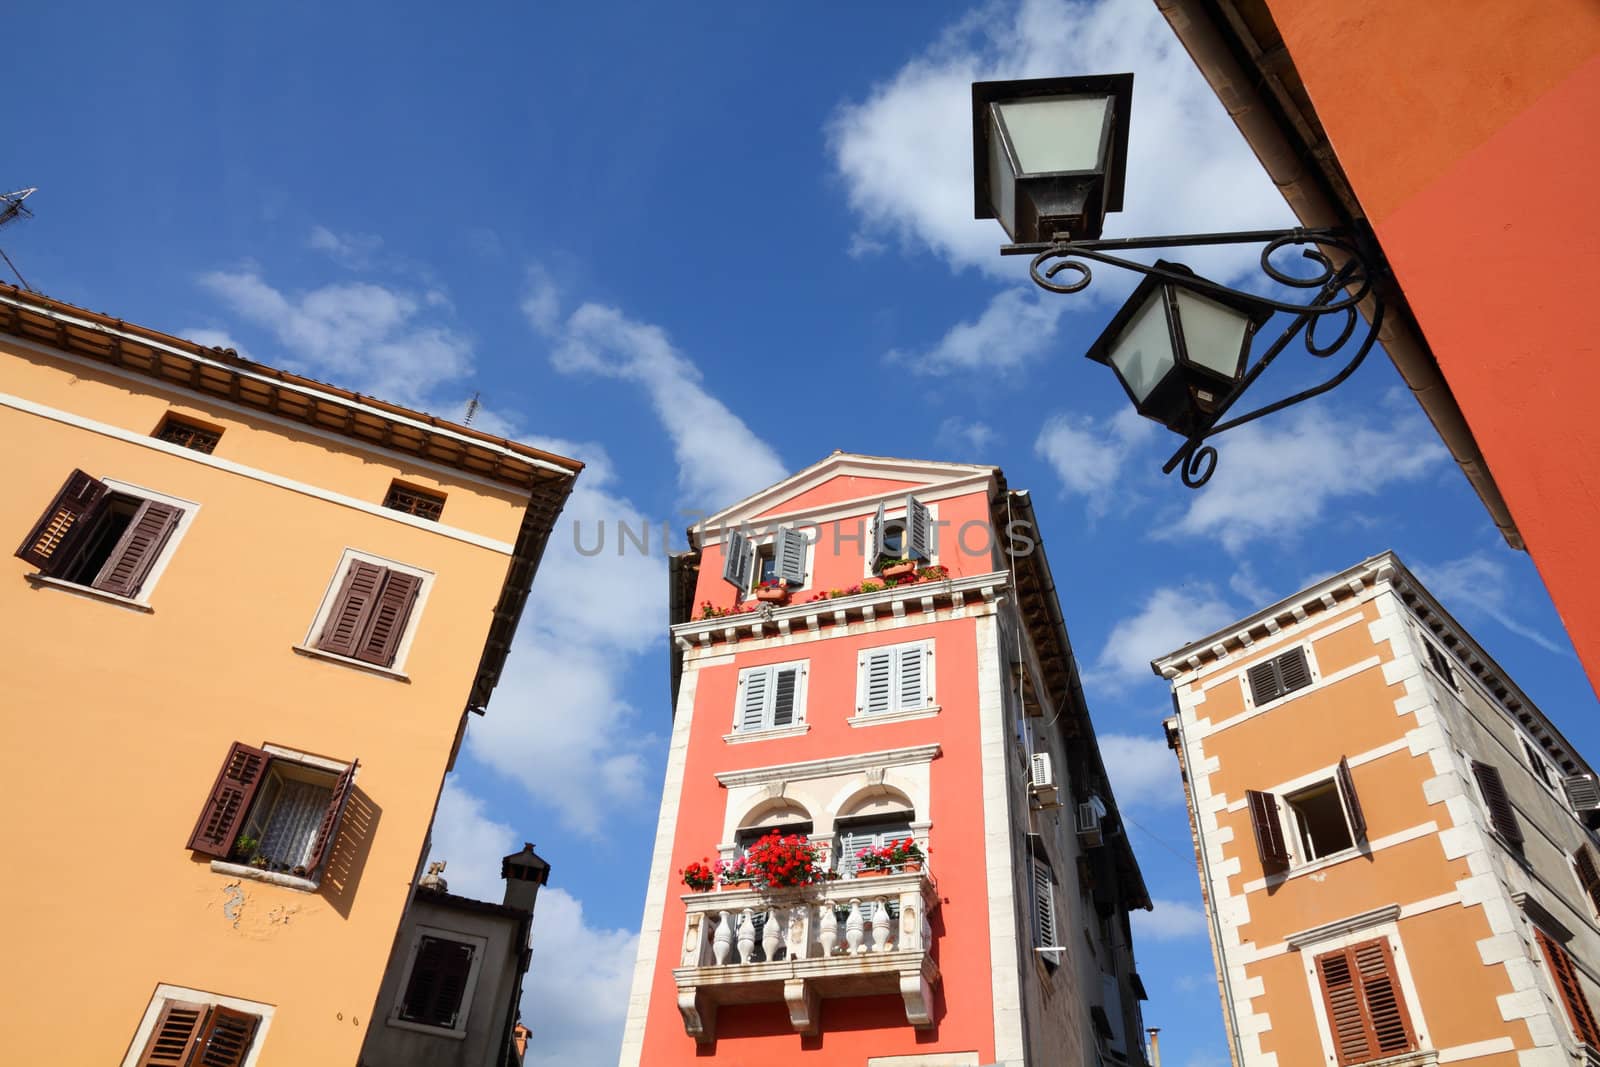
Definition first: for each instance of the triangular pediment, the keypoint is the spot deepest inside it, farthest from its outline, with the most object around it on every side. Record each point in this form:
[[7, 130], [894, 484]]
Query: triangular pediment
[[846, 477]]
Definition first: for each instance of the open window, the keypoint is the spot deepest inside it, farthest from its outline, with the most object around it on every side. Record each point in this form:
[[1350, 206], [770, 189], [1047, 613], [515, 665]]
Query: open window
[[101, 536], [748, 566], [908, 537], [1312, 823], [1497, 802], [274, 813]]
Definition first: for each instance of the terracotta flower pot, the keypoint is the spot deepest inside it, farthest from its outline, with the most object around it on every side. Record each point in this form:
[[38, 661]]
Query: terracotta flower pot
[[911, 866], [872, 872], [732, 886], [773, 594], [900, 571]]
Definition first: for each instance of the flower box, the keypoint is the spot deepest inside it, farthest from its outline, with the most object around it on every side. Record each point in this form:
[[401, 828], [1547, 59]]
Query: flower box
[[906, 568], [773, 594]]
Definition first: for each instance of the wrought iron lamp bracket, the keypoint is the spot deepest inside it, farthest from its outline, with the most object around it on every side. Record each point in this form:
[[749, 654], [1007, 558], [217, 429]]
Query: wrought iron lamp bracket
[[1342, 283]]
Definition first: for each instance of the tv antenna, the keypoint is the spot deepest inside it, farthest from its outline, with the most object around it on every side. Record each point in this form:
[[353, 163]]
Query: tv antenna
[[12, 209]]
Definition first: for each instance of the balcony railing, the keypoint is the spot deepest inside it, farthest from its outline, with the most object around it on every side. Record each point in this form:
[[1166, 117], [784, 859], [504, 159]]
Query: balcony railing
[[854, 937]]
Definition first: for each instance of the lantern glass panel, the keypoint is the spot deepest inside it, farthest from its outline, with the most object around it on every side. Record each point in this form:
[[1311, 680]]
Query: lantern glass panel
[[1213, 333], [1142, 353], [1056, 133]]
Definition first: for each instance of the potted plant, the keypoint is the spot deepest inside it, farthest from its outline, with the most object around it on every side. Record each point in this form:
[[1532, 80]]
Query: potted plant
[[897, 569], [735, 875], [903, 855], [773, 591], [699, 877], [935, 573], [780, 861], [244, 848]]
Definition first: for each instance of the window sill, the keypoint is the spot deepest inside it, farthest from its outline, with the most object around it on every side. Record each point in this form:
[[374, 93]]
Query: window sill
[[370, 668], [1422, 1058], [1323, 863], [92, 593], [878, 718], [244, 870], [424, 1028], [771, 733]]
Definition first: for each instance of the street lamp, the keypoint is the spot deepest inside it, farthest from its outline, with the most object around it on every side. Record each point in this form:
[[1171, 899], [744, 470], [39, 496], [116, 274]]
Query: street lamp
[[1048, 154], [1048, 162], [1178, 351]]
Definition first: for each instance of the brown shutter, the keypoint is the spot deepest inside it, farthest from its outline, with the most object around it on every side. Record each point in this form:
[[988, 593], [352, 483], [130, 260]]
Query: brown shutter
[[229, 801], [328, 831], [49, 544], [1264, 684], [381, 640], [352, 608], [1588, 875], [174, 1035], [1566, 979], [1380, 995], [225, 1039], [1347, 789], [1269, 830], [1501, 814], [438, 982], [1352, 1039], [130, 562], [1293, 670]]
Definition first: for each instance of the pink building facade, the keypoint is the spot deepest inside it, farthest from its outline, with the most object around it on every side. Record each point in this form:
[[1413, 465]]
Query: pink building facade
[[820, 696]]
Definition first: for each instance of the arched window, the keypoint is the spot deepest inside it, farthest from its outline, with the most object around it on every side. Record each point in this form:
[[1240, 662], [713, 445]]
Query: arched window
[[784, 816], [871, 822]]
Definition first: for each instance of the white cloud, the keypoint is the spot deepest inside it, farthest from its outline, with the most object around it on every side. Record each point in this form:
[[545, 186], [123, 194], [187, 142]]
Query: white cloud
[[1276, 476], [576, 990], [1169, 619], [966, 436], [1144, 772], [1171, 920], [720, 459], [213, 339], [904, 152], [353, 250], [1246, 583], [361, 336], [1479, 585], [1016, 327], [1088, 454]]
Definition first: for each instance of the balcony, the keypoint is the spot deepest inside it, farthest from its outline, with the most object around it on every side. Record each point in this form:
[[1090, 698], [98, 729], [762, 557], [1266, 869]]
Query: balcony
[[849, 938]]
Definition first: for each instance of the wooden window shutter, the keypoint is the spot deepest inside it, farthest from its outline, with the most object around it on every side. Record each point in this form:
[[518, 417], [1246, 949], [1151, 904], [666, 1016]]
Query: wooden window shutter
[[1294, 670], [438, 982], [754, 686], [876, 540], [1501, 814], [911, 676], [785, 690], [136, 551], [225, 809], [49, 544], [357, 598], [737, 560], [381, 639], [1264, 684], [1567, 984], [1044, 905], [225, 1038], [919, 530], [332, 815], [1588, 875], [174, 1035], [1269, 830], [1582, 791], [1352, 803], [876, 669], [790, 553], [1361, 992]]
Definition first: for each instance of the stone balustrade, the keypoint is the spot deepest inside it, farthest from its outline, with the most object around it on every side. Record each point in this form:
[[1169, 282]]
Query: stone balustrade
[[853, 937]]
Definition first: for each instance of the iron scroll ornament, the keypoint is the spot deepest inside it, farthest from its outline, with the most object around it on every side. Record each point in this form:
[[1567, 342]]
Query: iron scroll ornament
[[1342, 282]]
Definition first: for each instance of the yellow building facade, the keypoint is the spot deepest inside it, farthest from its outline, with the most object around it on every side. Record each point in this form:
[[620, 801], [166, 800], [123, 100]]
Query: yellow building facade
[[1396, 847], [244, 627]]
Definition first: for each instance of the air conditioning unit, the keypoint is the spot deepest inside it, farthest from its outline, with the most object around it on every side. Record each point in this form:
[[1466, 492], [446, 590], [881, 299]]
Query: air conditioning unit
[[1090, 812], [1042, 778]]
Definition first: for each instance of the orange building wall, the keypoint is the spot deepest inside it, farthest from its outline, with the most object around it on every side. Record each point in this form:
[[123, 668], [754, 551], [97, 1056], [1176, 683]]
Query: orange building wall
[[117, 721], [1471, 134]]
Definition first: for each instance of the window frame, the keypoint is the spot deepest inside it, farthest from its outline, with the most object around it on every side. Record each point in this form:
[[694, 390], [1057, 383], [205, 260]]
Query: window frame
[[458, 1031], [1043, 876], [797, 721], [1277, 807], [897, 515], [768, 546], [172, 418], [1313, 675], [1389, 931], [166, 991], [187, 510], [310, 644], [894, 712], [400, 485]]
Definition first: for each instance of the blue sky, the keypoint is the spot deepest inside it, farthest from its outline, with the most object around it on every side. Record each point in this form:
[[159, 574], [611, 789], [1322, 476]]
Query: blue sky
[[700, 248]]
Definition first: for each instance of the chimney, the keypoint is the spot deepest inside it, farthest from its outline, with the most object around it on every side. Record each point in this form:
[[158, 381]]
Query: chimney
[[1155, 1046], [524, 873]]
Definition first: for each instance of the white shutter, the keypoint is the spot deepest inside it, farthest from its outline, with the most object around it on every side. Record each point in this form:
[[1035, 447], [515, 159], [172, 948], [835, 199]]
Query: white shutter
[[1044, 906], [789, 553], [755, 690], [785, 695], [875, 679], [919, 530], [876, 539], [1111, 995], [737, 560], [911, 677]]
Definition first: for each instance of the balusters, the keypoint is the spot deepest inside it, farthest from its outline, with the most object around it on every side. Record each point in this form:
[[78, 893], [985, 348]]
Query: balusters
[[770, 937], [852, 928], [747, 936], [722, 942], [795, 943], [827, 928], [881, 925]]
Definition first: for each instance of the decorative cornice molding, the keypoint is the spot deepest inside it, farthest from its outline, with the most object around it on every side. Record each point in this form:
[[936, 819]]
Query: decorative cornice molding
[[826, 768], [1340, 927]]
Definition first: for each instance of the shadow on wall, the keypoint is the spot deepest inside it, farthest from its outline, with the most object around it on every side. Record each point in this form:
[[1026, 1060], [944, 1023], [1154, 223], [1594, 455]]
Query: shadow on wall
[[350, 851]]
